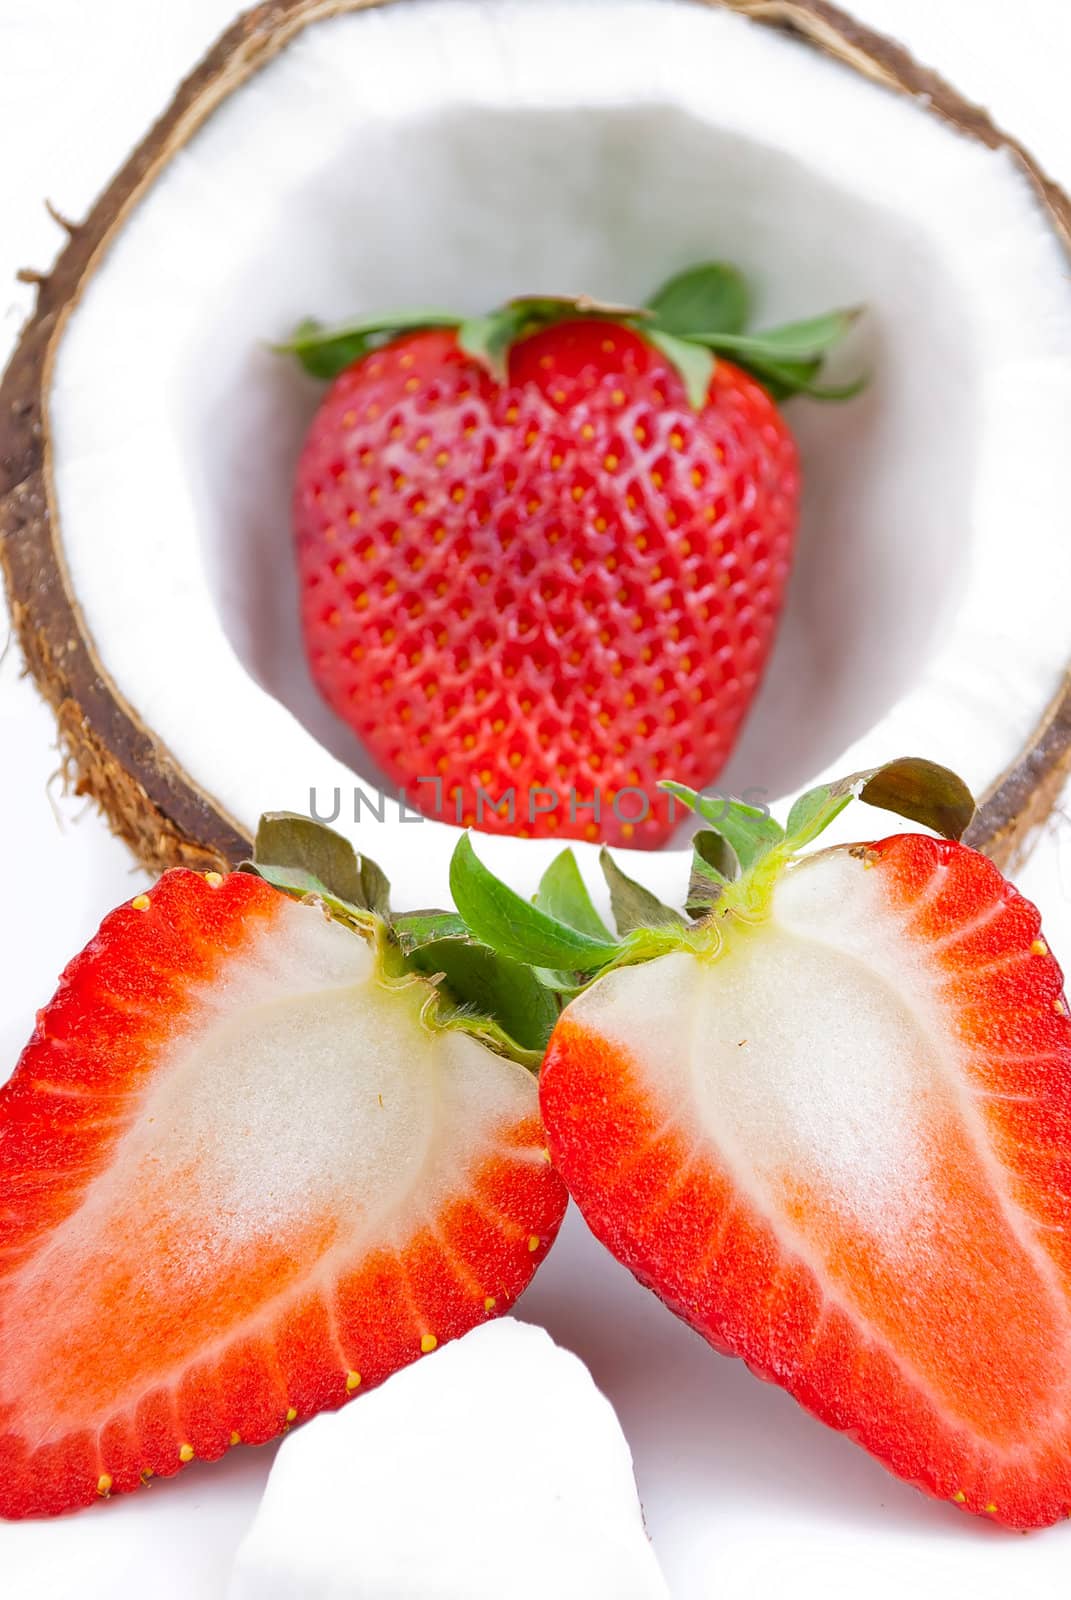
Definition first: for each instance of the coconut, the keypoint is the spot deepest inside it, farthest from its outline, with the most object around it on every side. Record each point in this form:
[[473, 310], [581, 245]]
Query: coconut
[[339, 156], [495, 1467]]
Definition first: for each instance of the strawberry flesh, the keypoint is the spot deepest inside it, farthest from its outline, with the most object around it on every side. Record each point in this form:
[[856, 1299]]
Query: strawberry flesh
[[840, 1150], [240, 1179]]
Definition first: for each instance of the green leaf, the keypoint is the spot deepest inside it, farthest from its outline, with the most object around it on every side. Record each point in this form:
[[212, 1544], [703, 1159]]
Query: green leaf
[[491, 986], [750, 832], [809, 340], [325, 352], [563, 984], [919, 790], [715, 856], [784, 379], [813, 812], [416, 928], [548, 308], [788, 360], [488, 339], [563, 894], [375, 886], [714, 865], [633, 905], [297, 854], [711, 296], [513, 926], [694, 362]]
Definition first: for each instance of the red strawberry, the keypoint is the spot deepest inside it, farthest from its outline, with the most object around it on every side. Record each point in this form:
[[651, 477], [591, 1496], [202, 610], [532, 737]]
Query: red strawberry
[[831, 1128], [533, 562], [244, 1173]]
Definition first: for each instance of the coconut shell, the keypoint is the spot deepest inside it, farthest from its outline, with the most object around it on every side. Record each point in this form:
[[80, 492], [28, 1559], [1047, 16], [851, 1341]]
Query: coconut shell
[[109, 752]]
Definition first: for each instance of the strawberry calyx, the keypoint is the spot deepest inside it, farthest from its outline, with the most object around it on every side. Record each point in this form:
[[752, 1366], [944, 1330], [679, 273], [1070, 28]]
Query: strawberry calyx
[[736, 862], [698, 315], [738, 859], [461, 982]]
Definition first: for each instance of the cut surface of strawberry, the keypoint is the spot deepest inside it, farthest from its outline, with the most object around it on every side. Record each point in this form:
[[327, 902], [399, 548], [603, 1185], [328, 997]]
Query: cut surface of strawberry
[[242, 1176], [831, 1129]]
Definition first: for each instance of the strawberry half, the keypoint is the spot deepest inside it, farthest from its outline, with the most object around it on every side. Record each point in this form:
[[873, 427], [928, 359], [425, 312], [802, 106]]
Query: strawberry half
[[543, 553], [251, 1163], [829, 1124]]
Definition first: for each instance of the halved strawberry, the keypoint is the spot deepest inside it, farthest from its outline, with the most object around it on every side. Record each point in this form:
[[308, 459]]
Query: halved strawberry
[[831, 1127], [250, 1163]]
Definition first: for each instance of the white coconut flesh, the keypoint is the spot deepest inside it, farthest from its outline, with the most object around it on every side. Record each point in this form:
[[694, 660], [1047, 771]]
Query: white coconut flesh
[[302, 1114], [496, 1466], [458, 153]]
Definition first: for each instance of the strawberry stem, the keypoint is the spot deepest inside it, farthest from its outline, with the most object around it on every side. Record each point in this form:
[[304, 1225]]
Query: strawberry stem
[[469, 985], [736, 864], [692, 319]]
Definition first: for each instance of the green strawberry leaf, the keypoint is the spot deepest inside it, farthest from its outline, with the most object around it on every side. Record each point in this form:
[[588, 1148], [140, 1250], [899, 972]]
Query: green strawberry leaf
[[298, 884], [698, 313], [543, 309], [709, 297], [919, 790], [714, 866], [325, 352], [750, 832], [788, 360], [413, 929], [810, 340], [693, 362], [489, 339], [563, 894], [513, 926], [633, 905], [784, 379], [813, 812], [484, 984], [302, 856]]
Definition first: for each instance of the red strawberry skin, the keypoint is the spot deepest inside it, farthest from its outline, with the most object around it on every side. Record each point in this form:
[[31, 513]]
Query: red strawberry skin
[[895, 1255], [179, 1268], [567, 582]]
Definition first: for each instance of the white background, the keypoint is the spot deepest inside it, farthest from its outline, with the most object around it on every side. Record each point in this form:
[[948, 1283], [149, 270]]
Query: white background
[[746, 1498]]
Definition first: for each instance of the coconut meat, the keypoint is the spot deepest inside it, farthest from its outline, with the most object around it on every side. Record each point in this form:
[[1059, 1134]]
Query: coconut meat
[[457, 153], [493, 1467]]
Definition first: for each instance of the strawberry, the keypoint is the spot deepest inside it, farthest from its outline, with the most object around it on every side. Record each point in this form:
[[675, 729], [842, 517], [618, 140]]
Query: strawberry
[[829, 1124], [251, 1163], [543, 554]]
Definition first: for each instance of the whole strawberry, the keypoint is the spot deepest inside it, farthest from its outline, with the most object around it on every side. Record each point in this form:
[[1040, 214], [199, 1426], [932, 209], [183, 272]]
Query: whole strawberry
[[828, 1123], [543, 553]]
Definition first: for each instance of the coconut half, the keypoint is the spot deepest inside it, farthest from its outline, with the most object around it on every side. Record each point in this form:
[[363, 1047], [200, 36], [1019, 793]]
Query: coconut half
[[340, 156]]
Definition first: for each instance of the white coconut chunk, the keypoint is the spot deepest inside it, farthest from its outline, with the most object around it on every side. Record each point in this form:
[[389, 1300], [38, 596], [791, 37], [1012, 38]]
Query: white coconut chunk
[[494, 1467], [452, 152]]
